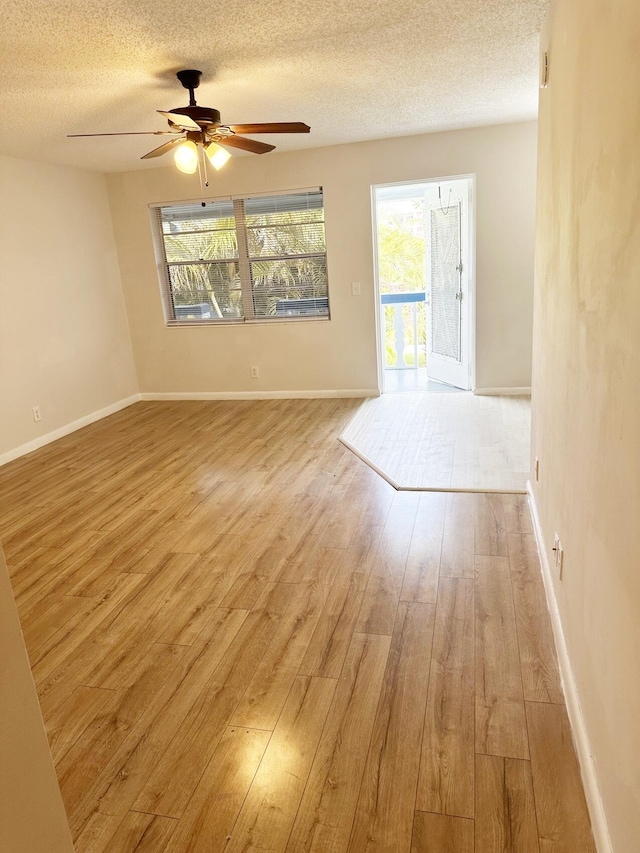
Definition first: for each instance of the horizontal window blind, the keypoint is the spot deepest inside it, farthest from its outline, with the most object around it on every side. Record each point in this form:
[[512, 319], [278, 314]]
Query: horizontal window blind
[[248, 258], [201, 265]]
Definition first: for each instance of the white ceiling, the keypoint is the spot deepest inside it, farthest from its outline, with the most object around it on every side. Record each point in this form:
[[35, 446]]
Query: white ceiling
[[352, 69]]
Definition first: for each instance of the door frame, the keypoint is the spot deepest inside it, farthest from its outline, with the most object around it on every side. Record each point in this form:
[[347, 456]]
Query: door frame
[[471, 301]]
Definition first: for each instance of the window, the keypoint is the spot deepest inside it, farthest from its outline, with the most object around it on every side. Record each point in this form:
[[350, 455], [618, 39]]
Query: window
[[259, 258]]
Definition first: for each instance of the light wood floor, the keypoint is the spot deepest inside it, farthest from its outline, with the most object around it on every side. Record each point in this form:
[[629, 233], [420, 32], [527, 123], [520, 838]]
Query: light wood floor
[[446, 440], [243, 639]]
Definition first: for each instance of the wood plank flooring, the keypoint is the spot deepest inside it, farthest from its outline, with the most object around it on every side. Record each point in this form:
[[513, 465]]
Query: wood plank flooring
[[244, 639], [446, 440]]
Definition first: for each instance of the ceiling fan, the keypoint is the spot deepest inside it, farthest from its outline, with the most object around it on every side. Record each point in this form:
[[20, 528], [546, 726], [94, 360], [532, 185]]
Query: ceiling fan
[[199, 129]]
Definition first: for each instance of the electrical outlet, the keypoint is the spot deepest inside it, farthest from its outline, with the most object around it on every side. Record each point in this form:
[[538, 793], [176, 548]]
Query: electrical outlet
[[536, 469], [355, 288], [36, 414], [255, 371]]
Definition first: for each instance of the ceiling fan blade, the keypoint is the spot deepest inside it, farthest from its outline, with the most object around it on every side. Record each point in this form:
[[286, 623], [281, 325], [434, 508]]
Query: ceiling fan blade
[[246, 144], [162, 149], [126, 133], [181, 120], [272, 127]]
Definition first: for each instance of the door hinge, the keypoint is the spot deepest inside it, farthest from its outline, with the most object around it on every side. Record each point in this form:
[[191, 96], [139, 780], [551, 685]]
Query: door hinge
[[460, 267], [459, 295]]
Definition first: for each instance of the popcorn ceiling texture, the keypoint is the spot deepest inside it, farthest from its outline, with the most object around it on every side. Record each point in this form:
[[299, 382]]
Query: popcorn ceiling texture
[[352, 69]]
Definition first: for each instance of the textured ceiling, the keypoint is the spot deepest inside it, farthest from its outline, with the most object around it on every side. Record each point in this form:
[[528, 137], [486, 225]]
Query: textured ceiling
[[352, 69]]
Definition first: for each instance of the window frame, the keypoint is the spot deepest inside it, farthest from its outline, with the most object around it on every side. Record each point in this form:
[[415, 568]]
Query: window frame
[[244, 261]]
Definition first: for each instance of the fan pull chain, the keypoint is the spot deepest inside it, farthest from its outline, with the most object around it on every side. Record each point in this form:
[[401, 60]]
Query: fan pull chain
[[202, 170]]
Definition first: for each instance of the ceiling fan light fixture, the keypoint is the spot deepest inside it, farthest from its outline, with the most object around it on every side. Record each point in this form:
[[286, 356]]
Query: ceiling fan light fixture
[[186, 157], [217, 155]]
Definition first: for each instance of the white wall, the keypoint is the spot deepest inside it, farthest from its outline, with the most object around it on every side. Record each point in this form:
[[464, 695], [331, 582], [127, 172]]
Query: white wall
[[341, 354], [32, 816], [64, 339], [586, 384]]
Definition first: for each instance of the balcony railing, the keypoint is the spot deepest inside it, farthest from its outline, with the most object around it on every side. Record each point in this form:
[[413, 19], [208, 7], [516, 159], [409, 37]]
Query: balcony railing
[[404, 322]]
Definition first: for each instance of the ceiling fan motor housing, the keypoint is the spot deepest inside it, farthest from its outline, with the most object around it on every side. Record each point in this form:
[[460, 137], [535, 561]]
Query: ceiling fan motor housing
[[201, 115]]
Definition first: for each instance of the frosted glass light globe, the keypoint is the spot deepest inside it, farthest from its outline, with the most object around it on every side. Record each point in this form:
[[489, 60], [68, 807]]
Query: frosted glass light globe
[[217, 155], [186, 157]]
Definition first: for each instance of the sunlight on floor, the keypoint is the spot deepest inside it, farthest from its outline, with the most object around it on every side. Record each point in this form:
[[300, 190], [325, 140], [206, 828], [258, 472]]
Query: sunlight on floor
[[446, 440], [396, 381]]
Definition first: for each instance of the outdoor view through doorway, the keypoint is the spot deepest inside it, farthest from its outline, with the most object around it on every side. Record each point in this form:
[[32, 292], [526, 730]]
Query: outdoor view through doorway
[[448, 438], [424, 279]]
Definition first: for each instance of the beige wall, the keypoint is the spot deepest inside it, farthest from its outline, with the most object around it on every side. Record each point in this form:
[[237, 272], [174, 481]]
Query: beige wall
[[586, 391], [64, 339], [32, 817], [340, 354]]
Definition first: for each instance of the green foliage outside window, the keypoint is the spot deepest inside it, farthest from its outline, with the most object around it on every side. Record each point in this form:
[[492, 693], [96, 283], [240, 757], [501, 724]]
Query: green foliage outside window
[[401, 265], [285, 250]]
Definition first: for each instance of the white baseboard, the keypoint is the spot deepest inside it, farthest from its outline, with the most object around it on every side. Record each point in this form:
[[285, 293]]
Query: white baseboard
[[572, 697], [261, 395], [503, 392], [30, 446]]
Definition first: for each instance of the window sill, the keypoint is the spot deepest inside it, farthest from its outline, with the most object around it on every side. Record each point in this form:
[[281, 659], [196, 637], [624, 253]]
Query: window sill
[[276, 321]]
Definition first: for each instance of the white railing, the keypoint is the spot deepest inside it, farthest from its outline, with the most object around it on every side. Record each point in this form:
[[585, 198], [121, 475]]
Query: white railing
[[398, 301]]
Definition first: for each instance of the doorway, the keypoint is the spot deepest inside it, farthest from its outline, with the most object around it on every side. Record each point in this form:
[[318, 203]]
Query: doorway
[[424, 272]]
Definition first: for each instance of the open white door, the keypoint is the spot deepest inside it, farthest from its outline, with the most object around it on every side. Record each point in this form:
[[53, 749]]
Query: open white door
[[447, 295]]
